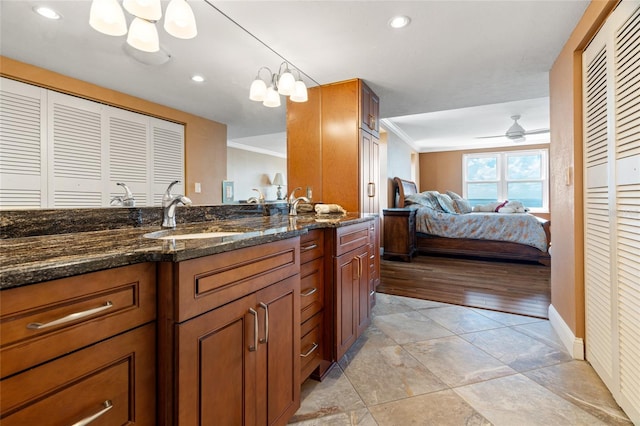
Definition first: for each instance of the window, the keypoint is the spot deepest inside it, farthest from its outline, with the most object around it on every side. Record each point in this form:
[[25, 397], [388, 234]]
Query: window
[[509, 175]]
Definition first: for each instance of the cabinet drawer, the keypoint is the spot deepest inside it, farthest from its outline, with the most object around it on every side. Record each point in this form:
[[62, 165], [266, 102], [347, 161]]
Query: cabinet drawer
[[310, 346], [351, 237], [311, 288], [120, 370], [211, 281], [311, 245], [43, 321]]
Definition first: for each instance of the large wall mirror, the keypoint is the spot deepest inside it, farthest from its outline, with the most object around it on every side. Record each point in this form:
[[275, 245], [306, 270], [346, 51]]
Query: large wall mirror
[[225, 54]]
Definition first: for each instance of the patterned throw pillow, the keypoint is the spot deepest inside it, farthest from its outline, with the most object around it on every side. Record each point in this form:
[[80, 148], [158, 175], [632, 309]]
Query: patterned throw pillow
[[454, 196], [432, 196], [418, 199], [446, 203], [462, 206]]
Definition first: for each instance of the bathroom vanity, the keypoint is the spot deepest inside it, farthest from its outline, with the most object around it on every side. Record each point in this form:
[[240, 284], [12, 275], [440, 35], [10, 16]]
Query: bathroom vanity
[[116, 326]]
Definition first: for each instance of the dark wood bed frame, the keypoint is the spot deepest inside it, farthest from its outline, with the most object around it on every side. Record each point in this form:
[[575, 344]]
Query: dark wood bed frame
[[430, 244]]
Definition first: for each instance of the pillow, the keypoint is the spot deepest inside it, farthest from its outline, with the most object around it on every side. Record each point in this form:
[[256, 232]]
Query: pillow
[[432, 196], [418, 199], [454, 196], [462, 206], [446, 203]]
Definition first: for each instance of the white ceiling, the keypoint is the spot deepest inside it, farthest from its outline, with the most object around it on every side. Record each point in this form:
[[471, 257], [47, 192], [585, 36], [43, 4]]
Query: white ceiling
[[460, 70]]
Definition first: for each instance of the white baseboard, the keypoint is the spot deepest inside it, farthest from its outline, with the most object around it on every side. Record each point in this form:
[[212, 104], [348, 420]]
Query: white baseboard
[[574, 345]]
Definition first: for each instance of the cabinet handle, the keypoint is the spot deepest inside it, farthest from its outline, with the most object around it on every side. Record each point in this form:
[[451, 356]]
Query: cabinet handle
[[310, 351], [309, 292], [255, 330], [107, 406], [359, 265], [372, 292], [70, 317], [266, 323], [309, 247], [371, 189]]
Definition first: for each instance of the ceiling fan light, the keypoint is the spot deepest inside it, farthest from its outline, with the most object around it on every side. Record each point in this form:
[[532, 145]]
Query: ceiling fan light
[[258, 90], [300, 92], [286, 83], [179, 20], [143, 35], [272, 98], [151, 10], [107, 17]]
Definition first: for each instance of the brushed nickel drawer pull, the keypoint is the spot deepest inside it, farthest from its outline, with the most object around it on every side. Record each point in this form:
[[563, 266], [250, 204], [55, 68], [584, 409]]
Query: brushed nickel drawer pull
[[309, 292], [310, 351], [266, 322], [309, 247], [107, 406], [255, 330], [372, 292], [70, 317]]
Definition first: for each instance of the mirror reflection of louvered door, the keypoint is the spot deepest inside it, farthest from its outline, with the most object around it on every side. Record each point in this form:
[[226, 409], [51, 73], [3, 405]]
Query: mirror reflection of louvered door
[[61, 151], [611, 67]]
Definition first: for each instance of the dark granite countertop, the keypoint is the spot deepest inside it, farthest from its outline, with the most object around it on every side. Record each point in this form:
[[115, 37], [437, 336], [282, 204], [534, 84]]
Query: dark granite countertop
[[33, 259]]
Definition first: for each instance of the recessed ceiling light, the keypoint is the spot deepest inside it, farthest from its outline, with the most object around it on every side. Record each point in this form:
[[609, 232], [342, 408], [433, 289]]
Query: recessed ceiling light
[[399, 21], [47, 12], [197, 78]]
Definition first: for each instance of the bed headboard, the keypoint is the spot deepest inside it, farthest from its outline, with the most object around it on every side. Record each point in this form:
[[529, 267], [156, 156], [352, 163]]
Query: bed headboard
[[402, 189]]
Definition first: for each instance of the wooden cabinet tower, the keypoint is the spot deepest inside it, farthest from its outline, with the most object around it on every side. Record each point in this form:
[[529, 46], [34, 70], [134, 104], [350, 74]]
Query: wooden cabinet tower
[[333, 145]]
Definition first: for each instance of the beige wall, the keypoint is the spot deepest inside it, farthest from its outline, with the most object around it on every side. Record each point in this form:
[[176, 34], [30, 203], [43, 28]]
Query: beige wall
[[442, 171], [398, 164], [205, 140], [567, 277], [250, 170]]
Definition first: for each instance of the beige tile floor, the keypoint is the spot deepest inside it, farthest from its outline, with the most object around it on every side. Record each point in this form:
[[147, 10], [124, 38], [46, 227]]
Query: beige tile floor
[[429, 363]]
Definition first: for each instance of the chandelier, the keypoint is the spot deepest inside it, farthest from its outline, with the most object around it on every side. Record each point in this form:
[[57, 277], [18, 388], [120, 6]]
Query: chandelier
[[107, 17], [282, 83]]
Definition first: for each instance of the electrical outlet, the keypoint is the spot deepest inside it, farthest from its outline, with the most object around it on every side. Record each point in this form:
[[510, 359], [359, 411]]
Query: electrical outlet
[[198, 188]]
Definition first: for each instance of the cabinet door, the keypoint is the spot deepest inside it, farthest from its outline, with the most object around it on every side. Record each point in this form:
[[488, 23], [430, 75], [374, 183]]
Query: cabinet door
[[369, 173], [348, 270], [362, 283], [278, 362], [216, 363]]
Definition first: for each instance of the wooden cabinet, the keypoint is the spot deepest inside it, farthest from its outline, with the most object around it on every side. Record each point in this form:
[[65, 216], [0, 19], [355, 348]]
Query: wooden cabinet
[[233, 321], [369, 110], [374, 258], [351, 285], [80, 346], [399, 233], [332, 145], [312, 288]]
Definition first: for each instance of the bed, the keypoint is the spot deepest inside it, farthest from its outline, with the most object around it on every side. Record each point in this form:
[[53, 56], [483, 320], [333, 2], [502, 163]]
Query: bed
[[427, 243]]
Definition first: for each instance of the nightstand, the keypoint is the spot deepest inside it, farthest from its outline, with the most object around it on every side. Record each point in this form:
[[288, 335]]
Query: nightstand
[[399, 233]]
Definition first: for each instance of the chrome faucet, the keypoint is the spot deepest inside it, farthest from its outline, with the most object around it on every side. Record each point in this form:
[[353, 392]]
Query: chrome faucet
[[169, 204], [128, 200], [293, 202], [259, 199]]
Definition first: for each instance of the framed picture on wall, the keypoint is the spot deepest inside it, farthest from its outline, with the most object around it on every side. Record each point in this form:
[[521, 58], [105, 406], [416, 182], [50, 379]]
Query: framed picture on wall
[[227, 191]]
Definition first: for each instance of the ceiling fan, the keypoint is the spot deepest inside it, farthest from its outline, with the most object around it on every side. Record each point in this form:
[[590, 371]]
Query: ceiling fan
[[516, 132]]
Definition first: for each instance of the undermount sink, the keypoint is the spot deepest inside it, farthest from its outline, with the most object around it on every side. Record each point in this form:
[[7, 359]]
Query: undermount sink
[[181, 235]]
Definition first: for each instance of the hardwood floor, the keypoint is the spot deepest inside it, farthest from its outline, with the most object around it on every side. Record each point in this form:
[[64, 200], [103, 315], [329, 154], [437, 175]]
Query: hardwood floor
[[519, 288]]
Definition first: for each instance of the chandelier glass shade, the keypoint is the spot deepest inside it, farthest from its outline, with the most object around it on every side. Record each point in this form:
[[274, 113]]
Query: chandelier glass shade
[[107, 17], [283, 83]]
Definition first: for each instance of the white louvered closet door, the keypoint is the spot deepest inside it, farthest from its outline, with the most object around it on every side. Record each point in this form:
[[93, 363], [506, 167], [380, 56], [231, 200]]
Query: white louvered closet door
[[77, 156], [167, 141], [612, 204], [23, 165], [129, 155]]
